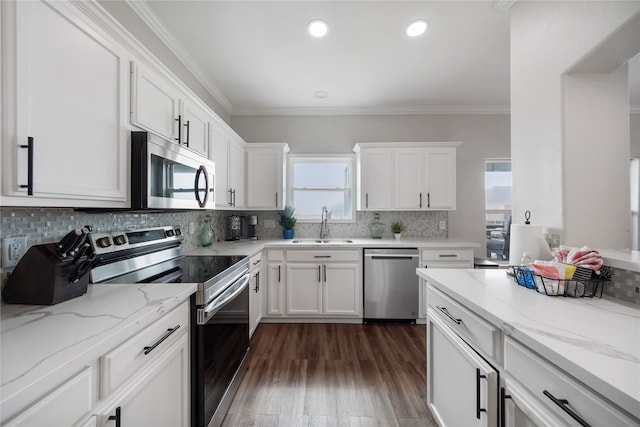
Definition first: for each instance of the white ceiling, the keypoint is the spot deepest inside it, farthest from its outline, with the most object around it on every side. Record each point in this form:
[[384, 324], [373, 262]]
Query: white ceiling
[[256, 57]]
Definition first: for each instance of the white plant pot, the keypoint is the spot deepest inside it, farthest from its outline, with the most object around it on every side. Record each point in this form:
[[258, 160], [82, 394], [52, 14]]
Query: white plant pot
[[397, 235]]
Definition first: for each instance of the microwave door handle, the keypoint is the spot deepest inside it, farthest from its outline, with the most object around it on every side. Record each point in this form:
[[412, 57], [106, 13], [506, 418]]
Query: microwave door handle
[[201, 171]]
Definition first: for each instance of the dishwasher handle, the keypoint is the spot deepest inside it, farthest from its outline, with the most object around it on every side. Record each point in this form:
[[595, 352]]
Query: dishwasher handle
[[391, 256]]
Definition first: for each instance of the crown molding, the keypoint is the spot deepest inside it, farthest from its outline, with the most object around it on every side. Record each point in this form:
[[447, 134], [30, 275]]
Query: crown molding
[[156, 25], [400, 111]]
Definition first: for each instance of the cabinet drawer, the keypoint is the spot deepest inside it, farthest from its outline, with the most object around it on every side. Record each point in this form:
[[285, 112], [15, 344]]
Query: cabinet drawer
[[539, 376], [64, 406], [447, 255], [322, 256], [120, 364], [275, 255], [483, 335]]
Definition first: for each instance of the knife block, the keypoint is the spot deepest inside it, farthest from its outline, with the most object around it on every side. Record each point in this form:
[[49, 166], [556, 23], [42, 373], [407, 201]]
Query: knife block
[[43, 278]]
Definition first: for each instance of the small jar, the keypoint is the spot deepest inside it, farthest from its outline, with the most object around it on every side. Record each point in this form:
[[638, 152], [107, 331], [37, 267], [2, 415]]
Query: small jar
[[206, 234]]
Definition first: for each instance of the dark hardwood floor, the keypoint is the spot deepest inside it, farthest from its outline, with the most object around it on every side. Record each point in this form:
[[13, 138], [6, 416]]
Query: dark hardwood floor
[[334, 375]]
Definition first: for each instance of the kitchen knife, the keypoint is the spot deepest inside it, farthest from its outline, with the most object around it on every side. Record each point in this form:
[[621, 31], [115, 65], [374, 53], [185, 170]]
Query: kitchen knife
[[80, 252], [80, 241], [68, 242]]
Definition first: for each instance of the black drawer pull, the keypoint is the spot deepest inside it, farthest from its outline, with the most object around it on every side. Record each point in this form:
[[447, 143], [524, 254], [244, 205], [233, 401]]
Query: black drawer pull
[[149, 349], [29, 148], [322, 256], [116, 417], [562, 403], [446, 313], [478, 408], [448, 256]]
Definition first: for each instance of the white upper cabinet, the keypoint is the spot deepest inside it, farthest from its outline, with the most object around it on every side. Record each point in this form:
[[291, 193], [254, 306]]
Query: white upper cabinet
[[155, 103], [196, 127], [228, 153], [407, 176], [376, 179], [266, 175], [440, 178], [159, 107], [65, 103]]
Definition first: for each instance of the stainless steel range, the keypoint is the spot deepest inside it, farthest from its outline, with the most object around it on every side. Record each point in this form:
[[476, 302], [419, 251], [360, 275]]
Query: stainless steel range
[[220, 307]]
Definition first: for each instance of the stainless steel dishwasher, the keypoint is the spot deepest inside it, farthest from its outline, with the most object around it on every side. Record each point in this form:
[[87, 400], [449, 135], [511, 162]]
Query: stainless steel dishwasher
[[391, 284]]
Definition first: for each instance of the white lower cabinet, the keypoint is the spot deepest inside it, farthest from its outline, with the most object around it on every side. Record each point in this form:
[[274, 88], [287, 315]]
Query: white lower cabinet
[[462, 386], [157, 396], [314, 283], [63, 406]]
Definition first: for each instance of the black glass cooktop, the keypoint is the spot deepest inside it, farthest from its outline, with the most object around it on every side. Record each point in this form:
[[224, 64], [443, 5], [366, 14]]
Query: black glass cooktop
[[199, 269]]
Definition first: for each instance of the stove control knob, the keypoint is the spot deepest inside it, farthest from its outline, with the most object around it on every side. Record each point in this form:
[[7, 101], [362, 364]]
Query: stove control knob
[[178, 232], [103, 242], [119, 239], [170, 233]]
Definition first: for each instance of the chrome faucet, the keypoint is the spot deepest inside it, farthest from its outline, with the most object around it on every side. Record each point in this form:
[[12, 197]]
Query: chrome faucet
[[324, 227]]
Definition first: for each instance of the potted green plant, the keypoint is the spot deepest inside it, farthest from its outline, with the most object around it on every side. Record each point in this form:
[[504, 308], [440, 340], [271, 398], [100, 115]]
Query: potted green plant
[[288, 222], [397, 228]]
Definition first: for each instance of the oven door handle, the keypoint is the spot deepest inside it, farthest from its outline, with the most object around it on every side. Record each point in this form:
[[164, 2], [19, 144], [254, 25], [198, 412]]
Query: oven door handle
[[231, 292]]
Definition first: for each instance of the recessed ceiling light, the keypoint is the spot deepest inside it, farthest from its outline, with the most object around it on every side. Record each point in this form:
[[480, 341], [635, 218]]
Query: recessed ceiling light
[[317, 28], [416, 28], [321, 94]]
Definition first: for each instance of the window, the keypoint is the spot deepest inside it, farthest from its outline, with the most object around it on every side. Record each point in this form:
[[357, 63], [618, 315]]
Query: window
[[497, 180], [315, 182]]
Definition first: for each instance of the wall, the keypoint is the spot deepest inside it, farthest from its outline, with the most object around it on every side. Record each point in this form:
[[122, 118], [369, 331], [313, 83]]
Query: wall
[[547, 38], [635, 135], [122, 12], [483, 136]]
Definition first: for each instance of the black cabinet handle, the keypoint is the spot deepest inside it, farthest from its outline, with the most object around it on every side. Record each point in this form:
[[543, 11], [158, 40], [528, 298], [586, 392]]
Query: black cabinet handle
[[187, 126], [179, 120], [448, 256], [319, 274], [420, 199], [366, 198], [428, 200], [446, 313], [257, 281], [322, 256], [562, 403], [276, 199], [116, 417], [149, 349], [324, 267], [503, 397], [29, 148], [478, 408], [278, 274], [234, 197]]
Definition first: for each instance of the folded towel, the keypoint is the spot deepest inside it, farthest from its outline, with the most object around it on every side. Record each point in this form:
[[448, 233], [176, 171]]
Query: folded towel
[[583, 257]]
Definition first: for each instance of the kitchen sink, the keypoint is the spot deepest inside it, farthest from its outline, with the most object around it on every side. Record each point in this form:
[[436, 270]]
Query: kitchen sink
[[310, 241]]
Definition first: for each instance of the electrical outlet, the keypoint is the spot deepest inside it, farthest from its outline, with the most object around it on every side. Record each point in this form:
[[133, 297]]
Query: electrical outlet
[[443, 225], [12, 250]]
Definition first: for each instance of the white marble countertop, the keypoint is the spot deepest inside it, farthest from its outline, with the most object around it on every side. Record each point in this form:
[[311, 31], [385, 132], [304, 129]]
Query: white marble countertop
[[251, 247], [623, 258], [41, 346], [595, 340]]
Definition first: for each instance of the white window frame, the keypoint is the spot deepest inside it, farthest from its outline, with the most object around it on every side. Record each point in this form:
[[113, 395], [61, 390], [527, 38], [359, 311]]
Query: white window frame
[[325, 158]]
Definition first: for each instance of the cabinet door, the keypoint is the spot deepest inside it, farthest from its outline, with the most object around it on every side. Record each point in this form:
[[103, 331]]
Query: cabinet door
[[376, 179], [220, 155], [462, 387], [408, 179], [155, 104], [304, 289], [196, 123], [255, 301], [342, 289], [440, 178], [68, 93], [264, 179], [236, 173], [422, 299], [274, 298], [157, 397]]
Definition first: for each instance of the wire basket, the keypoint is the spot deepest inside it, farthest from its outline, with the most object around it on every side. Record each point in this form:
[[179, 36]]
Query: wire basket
[[584, 286]]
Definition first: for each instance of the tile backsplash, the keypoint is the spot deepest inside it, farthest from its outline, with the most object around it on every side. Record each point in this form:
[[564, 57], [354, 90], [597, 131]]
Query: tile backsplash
[[47, 225]]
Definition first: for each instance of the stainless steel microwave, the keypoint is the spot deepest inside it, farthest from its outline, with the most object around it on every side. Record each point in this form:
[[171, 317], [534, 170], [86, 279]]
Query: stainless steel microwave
[[165, 175]]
